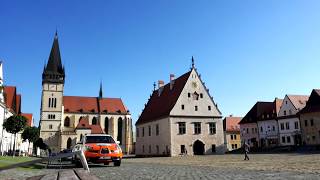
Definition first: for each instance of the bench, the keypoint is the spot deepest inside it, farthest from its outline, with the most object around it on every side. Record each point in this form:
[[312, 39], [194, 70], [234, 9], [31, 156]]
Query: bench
[[70, 174]]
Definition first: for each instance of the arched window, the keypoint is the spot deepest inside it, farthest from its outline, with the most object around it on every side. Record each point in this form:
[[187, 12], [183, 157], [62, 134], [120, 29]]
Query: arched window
[[94, 121], [106, 125], [119, 138], [67, 122], [69, 142]]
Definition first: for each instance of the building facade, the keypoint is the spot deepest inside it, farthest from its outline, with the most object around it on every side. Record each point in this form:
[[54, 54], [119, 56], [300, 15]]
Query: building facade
[[288, 120], [310, 119], [232, 132], [180, 118], [64, 120]]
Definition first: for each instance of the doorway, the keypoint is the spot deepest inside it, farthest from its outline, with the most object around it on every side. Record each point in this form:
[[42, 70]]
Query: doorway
[[198, 148]]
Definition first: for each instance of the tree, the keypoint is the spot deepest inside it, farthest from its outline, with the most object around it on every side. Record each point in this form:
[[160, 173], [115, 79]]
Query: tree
[[15, 124], [39, 143], [31, 134]]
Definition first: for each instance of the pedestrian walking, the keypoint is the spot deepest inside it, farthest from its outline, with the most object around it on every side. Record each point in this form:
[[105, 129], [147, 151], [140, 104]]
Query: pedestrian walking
[[246, 151]]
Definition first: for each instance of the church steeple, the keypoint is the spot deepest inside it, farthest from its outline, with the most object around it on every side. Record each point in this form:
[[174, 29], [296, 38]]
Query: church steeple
[[54, 71], [100, 91]]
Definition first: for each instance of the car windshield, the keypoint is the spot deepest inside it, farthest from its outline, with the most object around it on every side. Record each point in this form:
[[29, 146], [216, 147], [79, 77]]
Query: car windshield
[[99, 139]]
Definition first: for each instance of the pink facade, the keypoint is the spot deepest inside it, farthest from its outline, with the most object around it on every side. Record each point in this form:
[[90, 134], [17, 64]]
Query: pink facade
[[249, 134]]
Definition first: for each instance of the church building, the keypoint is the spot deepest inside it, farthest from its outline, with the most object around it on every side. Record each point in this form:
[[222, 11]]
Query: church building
[[64, 120], [180, 117]]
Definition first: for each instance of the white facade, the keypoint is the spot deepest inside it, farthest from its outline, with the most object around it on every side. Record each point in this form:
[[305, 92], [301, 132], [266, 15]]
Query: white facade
[[268, 132], [194, 110]]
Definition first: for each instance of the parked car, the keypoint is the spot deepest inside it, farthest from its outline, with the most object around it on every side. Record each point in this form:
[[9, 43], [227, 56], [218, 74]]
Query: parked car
[[100, 148]]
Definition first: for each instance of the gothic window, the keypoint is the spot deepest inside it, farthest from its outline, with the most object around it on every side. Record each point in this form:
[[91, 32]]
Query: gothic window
[[67, 122], [69, 141], [49, 104], [55, 102], [106, 125], [94, 121], [119, 138]]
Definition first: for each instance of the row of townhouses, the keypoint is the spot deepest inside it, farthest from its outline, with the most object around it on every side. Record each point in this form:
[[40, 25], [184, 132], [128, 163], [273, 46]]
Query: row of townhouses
[[10, 104], [293, 120]]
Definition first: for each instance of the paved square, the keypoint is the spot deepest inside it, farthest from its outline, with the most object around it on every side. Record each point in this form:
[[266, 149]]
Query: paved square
[[260, 166]]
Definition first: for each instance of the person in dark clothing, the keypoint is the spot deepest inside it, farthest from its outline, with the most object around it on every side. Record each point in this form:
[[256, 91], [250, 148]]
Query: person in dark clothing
[[246, 151]]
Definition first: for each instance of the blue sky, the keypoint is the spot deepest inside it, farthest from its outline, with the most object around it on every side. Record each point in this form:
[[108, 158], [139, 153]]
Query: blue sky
[[245, 50]]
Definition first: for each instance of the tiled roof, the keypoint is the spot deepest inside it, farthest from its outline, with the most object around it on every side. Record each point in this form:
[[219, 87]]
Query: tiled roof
[[29, 117], [79, 104], [18, 104], [160, 106], [257, 111], [313, 104], [299, 101], [96, 129], [10, 93], [278, 103], [232, 124]]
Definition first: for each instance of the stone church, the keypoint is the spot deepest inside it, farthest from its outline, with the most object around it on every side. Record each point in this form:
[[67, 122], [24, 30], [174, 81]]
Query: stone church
[[180, 117], [64, 120]]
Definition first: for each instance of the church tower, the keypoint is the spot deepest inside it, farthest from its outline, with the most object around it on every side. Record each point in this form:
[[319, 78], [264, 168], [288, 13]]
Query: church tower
[[53, 77]]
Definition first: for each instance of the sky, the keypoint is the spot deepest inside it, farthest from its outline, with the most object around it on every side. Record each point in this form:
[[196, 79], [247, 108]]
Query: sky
[[246, 51]]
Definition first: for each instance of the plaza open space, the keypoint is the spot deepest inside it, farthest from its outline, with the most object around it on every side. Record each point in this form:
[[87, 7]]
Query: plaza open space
[[230, 166]]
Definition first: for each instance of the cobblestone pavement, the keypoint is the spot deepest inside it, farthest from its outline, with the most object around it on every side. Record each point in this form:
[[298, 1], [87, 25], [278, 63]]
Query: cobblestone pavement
[[260, 166]]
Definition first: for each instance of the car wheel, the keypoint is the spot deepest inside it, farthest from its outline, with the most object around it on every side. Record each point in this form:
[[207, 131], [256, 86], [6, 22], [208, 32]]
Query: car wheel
[[117, 163]]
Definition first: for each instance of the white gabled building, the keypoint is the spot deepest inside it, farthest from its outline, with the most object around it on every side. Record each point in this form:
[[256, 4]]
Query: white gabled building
[[288, 120], [180, 118]]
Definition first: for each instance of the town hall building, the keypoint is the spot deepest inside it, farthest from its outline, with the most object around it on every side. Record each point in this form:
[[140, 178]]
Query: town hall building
[[180, 118], [65, 120]]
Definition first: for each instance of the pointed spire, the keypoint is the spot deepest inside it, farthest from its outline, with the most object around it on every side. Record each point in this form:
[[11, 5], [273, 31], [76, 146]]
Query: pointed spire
[[192, 62], [56, 34], [154, 86], [100, 91]]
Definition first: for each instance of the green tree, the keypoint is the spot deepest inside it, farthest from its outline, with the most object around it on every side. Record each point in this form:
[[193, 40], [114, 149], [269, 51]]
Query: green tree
[[15, 124], [31, 134]]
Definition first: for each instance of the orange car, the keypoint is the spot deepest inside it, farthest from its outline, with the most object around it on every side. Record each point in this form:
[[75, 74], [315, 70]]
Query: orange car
[[101, 148]]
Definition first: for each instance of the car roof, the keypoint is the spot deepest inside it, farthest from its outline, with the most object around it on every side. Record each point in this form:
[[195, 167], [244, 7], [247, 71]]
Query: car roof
[[98, 135]]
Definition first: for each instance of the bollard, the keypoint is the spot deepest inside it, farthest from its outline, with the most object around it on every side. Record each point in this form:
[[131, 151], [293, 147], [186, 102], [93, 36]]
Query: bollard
[[83, 160]]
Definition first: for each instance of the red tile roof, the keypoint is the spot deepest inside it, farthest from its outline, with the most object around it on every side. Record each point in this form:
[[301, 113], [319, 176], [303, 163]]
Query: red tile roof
[[18, 104], [299, 101], [160, 106], [9, 96], [313, 104], [76, 104], [29, 117], [96, 129], [232, 124], [278, 103]]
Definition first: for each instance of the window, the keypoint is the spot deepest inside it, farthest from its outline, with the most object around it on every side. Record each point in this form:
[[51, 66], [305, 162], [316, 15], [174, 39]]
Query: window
[[189, 94], [157, 129], [311, 122], [285, 113], [213, 148], [296, 125], [209, 108], [283, 139], [94, 121], [235, 137], [287, 125], [196, 108], [305, 123], [137, 132], [51, 116], [67, 122], [261, 129], [252, 130], [149, 130], [197, 128], [236, 146], [119, 137], [288, 139], [247, 130], [142, 131], [231, 136], [313, 138], [201, 95], [273, 128], [212, 128], [232, 146], [182, 127], [195, 96], [106, 125], [50, 126], [182, 107], [49, 104], [182, 149], [157, 148]]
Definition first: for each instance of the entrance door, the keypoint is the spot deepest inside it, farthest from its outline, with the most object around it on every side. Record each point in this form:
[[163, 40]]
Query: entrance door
[[198, 148], [69, 143]]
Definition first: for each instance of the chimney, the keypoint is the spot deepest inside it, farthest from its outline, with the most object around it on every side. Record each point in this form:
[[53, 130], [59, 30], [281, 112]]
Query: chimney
[[171, 81], [160, 87]]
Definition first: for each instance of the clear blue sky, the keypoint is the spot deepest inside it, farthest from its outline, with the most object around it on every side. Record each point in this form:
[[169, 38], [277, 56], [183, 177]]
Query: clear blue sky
[[245, 50]]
